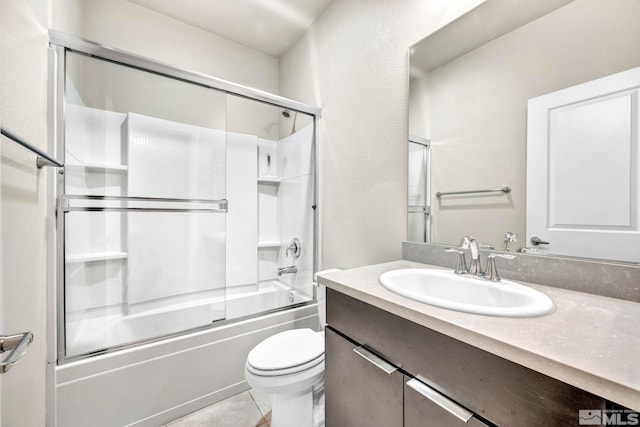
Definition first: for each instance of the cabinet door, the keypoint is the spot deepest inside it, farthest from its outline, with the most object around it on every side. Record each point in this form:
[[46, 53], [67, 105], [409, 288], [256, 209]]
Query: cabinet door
[[424, 406], [359, 390]]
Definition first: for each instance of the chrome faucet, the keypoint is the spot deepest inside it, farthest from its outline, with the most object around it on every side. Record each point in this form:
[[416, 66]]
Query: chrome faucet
[[470, 243], [509, 237], [475, 269], [287, 270]]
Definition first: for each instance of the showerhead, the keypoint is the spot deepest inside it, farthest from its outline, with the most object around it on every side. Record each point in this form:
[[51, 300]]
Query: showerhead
[[286, 113]]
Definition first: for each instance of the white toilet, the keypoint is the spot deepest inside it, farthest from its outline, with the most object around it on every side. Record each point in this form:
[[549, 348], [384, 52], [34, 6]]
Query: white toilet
[[290, 365]]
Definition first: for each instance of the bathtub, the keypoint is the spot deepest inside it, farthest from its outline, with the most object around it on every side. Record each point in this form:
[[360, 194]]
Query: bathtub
[[154, 383], [92, 332]]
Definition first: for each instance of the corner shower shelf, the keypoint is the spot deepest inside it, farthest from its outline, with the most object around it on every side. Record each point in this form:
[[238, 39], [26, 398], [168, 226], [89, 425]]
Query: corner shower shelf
[[269, 179], [98, 256], [115, 167], [269, 244]]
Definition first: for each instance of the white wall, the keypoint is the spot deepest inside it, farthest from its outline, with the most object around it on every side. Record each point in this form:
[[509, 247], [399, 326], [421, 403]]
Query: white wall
[[133, 28], [353, 62], [478, 117], [23, 55], [127, 26]]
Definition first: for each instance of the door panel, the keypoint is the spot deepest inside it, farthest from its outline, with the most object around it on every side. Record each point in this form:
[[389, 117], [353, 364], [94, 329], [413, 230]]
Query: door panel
[[582, 169], [143, 207], [357, 392]]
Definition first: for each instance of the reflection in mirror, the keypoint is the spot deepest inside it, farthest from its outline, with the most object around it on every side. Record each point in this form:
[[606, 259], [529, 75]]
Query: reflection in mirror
[[472, 105], [419, 202]]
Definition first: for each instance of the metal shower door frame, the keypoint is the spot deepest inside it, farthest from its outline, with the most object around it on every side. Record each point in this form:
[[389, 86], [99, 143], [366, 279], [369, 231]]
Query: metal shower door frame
[[59, 45]]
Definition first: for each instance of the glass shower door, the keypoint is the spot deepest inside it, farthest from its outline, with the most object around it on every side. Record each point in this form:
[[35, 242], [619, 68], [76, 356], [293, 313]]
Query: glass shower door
[[419, 203], [143, 206]]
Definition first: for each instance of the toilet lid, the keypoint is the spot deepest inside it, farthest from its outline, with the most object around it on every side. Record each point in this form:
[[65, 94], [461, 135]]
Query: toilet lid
[[287, 349]]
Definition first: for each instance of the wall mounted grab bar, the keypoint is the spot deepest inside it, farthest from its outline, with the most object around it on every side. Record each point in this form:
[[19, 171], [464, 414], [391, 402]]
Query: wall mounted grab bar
[[494, 190], [43, 158]]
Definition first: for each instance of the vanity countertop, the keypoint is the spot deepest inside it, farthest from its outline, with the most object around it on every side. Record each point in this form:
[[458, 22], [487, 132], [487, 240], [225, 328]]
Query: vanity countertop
[[589, 341]]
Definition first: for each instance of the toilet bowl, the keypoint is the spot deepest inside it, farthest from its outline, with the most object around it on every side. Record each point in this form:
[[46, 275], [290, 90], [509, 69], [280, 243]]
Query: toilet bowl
[[290, 366]]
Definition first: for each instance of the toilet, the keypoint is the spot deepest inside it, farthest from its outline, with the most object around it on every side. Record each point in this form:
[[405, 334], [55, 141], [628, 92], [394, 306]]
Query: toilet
[[290, 366]]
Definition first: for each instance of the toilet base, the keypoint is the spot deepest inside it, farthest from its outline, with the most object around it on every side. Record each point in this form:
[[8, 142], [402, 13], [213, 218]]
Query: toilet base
[[292, 410], [299, 409]]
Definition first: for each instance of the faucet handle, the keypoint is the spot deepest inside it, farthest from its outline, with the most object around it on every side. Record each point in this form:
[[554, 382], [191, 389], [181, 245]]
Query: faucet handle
[[294, 248], [461, 266], [509, 237], [491, 273]]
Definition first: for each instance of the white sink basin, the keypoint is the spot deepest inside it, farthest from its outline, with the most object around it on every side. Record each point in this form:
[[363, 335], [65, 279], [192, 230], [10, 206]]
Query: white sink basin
[[443, 288]]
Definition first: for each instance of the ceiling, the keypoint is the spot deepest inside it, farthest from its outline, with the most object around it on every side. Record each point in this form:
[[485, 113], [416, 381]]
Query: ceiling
[[270, 26]]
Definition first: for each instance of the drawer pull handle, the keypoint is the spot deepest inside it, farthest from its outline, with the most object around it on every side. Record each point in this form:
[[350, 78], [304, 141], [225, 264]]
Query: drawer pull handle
[[441, 400], [376, 360]]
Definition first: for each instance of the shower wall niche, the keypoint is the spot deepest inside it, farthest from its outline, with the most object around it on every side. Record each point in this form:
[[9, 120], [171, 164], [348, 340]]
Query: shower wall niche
[[177, 204]]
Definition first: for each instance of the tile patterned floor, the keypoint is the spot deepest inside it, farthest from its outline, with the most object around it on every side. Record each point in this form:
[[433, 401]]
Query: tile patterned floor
[[249, 409]]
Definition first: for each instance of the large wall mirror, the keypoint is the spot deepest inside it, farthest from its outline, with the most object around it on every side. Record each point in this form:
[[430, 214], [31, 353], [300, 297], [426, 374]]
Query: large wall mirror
[[557, 78]]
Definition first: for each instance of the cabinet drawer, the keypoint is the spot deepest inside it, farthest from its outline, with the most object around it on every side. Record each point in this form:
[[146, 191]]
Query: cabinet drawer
[[357, 391], [500, 391]]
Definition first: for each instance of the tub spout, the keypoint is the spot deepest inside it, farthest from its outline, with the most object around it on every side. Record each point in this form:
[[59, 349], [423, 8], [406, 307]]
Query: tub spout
[[287, 270]]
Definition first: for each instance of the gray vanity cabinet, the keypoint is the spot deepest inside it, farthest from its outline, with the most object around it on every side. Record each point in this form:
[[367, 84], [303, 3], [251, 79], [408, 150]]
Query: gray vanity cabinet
[[491, 388], [358, 392], [363, 389]]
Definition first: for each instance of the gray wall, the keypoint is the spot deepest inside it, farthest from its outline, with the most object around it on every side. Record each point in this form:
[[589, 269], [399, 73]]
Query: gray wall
[[353, 63]]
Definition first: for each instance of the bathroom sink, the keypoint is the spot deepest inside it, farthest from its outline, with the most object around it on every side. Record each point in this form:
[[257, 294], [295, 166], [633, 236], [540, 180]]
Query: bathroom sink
[[443, 288]]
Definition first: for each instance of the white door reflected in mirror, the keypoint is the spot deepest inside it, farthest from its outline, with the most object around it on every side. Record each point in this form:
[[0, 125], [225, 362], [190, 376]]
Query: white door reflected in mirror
[[582, 169]]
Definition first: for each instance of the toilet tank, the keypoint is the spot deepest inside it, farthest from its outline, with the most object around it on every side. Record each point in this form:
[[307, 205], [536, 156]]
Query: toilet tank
[[322, 300]]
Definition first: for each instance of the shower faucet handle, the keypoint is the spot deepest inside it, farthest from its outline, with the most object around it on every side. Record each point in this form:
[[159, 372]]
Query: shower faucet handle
[[294, 248]]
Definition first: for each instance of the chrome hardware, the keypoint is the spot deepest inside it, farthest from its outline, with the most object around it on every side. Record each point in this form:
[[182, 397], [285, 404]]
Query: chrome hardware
[[43, 158], [509, 237], [461, 266], [440, 400], [375, 360], [491, 272], [535, 241], [475, 268], [295, 248], [18, 344], [470, 243], [72, 203], [287, 270], [505, 190]]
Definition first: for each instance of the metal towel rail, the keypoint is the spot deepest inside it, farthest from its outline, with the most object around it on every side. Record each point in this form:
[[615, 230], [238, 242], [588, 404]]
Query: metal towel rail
[[494, 190], [71, 203], [43, 158], [18, 345]]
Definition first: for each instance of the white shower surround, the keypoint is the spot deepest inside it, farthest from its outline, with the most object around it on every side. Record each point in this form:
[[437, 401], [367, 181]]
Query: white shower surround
[[147, 275], [114, 389]]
